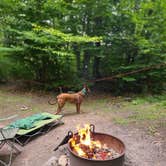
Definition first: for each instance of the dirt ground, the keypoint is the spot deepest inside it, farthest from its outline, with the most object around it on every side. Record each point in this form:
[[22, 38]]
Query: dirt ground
[[142, 149]]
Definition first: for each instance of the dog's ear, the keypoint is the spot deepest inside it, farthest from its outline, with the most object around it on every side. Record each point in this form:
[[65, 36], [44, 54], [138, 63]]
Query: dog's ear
[[84, 85]]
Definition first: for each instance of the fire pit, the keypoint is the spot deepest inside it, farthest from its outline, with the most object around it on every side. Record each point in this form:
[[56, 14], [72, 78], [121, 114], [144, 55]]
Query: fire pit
[[88, 148]]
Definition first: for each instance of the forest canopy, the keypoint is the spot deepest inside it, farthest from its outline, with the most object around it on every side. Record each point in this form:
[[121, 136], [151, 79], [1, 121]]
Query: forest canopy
[[67, 42]]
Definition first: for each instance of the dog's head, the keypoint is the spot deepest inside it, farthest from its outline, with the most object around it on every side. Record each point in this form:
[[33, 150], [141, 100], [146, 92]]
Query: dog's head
[[85, 86]]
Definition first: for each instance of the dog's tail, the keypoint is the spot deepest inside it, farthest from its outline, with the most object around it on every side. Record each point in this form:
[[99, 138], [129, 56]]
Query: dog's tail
[[49, 102]]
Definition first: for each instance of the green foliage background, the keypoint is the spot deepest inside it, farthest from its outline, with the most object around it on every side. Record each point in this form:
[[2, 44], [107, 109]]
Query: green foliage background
[[65, 42]]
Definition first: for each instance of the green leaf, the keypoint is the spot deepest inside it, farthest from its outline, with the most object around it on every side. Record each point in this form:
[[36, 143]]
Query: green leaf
[[128, 79]]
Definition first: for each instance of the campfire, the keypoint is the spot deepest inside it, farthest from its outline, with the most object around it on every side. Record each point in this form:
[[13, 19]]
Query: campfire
[[89, 148], [85, 145]]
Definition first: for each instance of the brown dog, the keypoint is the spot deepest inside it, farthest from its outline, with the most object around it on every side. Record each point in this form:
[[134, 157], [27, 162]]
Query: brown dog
[[75, 98]]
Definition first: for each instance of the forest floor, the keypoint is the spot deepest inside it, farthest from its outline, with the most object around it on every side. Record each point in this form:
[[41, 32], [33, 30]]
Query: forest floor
[[139, 121]]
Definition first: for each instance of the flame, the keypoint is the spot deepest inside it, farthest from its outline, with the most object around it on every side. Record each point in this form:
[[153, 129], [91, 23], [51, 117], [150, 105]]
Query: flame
[[84, 134], [83, 143]]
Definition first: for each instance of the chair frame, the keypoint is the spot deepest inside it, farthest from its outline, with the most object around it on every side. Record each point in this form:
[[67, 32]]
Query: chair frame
[[10, 141]]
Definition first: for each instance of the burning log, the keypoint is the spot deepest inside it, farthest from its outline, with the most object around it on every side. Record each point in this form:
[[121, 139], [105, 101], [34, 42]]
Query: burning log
[[105, 154], [84, 145]]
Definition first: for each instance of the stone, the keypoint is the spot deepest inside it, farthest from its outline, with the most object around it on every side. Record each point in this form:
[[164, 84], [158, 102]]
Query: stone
[[63, 160], [53, 161]]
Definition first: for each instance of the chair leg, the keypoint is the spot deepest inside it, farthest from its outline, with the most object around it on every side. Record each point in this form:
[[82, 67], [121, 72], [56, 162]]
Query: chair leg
[[11, 144], [12, 147], [1, 144], [3, 163], [9, 160]]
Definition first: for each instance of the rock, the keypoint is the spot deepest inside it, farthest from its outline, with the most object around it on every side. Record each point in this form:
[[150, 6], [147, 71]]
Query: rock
[[53, 161], [24, 108], [129, 99], [63, 160]]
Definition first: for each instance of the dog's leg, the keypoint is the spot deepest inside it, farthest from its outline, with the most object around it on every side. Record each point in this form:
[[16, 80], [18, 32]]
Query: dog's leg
[[78, 104], [78, 108], [59, 109], [61, 103]]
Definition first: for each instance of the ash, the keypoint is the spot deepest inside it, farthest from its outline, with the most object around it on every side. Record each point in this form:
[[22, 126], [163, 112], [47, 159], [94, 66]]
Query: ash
[[61, 158]]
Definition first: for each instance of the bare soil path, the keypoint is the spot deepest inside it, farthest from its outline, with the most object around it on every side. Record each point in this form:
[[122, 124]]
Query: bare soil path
[[141, 149]]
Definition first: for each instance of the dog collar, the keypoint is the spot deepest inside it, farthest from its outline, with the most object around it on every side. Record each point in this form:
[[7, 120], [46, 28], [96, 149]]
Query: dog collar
[[83, 91]]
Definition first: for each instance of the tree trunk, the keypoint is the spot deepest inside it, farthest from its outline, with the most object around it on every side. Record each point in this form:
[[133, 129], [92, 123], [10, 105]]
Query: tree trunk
[[96, 64], [43, 70], [96, 67], [78, 59], [86, 65]]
